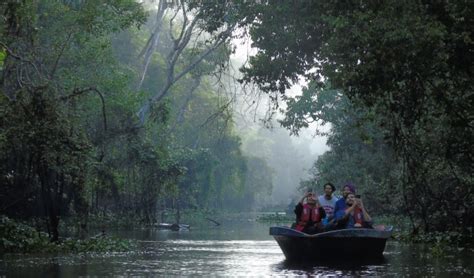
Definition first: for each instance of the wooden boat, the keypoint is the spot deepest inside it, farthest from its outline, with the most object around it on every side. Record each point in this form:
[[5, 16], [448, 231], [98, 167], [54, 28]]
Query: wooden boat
[[347, 243]]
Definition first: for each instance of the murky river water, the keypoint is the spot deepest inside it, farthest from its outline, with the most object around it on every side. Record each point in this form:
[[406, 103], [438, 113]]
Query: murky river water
[[234, 249]]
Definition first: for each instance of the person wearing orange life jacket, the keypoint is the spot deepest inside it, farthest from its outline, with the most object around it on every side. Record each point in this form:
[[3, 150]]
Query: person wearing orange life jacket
[[355, 215], [309, 214]]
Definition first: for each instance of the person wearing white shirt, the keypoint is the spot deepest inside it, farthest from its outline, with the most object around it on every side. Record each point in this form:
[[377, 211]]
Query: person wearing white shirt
[[328, 201]]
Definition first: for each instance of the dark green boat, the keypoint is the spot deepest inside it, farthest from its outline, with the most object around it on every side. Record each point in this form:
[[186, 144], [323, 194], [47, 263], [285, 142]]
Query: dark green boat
[[347, 243]]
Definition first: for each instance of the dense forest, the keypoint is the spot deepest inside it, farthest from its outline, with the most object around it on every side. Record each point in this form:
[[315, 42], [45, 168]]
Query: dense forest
[[124, 107], [116, 107], [394, 79]]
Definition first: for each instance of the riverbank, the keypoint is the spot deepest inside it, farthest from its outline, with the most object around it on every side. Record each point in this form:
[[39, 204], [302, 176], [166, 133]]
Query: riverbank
[[22, 237], [18, 237]]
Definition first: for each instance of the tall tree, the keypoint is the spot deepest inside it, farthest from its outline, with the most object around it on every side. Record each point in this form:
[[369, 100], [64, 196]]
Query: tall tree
[[410, 62], [49, 45], [185, 33]]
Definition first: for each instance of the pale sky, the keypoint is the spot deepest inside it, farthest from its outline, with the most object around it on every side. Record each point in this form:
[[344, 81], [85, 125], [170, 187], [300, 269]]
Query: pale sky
[[317, 143]]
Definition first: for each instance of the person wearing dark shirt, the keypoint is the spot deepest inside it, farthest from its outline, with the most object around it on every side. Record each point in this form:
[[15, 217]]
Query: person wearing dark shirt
[[341, 203], [355, 215], [309, 215]]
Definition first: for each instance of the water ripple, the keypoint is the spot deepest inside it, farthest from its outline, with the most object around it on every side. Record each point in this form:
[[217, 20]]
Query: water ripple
[[249, 258]]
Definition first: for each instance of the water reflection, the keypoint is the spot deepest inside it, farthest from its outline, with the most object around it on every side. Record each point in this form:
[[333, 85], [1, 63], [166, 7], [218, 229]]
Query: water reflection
[[231, 251], [366, 267]]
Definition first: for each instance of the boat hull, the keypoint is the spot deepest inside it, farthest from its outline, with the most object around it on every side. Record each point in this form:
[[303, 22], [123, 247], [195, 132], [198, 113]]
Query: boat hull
[[348, 243]]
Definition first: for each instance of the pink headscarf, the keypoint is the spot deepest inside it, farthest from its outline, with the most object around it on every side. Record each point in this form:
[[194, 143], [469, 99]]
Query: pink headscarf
[[351, 187]]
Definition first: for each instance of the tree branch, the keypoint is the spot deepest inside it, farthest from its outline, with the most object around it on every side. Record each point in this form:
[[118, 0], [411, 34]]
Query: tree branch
[[78, 92], [152, 41], [56, 62], [18, 57], [173, 56]]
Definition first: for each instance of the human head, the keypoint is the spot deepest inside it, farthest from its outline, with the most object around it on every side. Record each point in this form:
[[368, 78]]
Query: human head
[[329, 188], [350, 199], [348, 188], [311, 198]]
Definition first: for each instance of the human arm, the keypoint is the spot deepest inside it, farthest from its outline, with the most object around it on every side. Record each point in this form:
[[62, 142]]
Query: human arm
[[322, 212], [350, 209], [324, 220], [366, 215], [340, 219], [340, 215], [337, 207], [298, 210], [340, 205]]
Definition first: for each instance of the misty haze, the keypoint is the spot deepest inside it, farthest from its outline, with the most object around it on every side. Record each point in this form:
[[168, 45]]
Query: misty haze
[[236, 138]]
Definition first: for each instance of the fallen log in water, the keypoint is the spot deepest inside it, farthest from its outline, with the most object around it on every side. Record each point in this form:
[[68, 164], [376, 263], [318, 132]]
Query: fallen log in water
[[174, 226], [213, 221]]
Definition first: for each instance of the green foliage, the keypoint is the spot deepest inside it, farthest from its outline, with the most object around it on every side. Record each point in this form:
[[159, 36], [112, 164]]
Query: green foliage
[[20, 237], [70, 139], [16, 237], [3, 55], [275, 218], [406, 66], [358, 153], [56, 71], [456, 237]]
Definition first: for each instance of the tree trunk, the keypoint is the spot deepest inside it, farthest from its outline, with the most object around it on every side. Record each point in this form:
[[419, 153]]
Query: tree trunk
[[178, 212], [54, 224]]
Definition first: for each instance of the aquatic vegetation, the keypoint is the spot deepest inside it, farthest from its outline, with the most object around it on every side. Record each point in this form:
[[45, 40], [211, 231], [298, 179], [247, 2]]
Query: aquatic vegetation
[[275, 217], [456, 238], [16, 237]]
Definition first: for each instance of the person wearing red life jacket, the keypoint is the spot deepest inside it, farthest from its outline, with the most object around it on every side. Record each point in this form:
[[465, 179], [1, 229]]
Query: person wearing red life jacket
[[309, 214], [355, 215]]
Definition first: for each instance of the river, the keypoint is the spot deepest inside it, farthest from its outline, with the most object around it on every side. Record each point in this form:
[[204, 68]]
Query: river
[[236, 248]]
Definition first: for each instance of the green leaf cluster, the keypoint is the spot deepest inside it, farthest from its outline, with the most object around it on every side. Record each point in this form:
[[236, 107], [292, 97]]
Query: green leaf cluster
[[407, 66], [70, 140]]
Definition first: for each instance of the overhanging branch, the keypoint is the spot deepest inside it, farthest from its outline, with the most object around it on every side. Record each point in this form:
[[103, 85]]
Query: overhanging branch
[[78, 92]]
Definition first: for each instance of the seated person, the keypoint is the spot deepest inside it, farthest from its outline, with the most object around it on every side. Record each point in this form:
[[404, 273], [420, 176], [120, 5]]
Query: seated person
[[328, 202], [354, 216], [309, 215], [341, 203]]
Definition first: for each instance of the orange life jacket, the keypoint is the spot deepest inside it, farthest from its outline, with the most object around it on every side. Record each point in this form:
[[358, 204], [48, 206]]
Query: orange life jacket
[[358, 216], [308, 212]]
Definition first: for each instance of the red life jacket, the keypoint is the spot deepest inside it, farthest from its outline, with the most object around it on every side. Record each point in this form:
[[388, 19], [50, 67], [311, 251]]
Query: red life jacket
[[358, 216], [305, 216]]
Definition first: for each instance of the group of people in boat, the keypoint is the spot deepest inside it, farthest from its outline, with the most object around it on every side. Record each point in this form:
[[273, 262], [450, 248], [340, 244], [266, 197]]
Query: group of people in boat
[[324, 213]]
